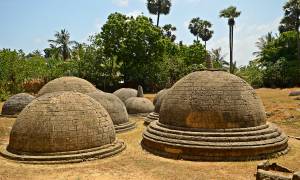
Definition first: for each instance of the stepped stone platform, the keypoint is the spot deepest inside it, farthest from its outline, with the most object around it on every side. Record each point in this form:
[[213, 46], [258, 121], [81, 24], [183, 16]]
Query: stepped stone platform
[[116, 109], [154, 116], [213, 116], [15, 104], [62, 127], [69, 83]]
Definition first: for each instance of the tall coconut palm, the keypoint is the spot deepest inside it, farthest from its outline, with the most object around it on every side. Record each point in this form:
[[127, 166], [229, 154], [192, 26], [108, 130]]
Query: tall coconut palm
[[159, 7], [62, 42], [230, 13]]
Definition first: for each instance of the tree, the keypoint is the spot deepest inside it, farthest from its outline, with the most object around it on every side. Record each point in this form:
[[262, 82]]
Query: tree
[[230, 13], [204, 32], [159, 7], [201, 28], [62, 42], [262, 43], [136, 45], [291, 20], [218, 58], [194, 27], [168, 30]]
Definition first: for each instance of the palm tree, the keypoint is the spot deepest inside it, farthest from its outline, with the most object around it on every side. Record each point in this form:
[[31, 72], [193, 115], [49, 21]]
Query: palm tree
[[230, 13], [159, 7], [262, 43], [204, 33], [62, 43], [194, 27], [218, 58], [168, 31], [200, 28]]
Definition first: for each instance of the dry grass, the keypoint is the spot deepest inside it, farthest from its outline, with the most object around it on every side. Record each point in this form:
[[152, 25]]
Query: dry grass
[[134, 163]]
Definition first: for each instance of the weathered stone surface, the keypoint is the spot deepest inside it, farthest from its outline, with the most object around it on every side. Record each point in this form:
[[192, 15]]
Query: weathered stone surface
[[67, 84], [212, 99], [139, 105], [62, 126], [115, 108], [294, 93], [213, 116], [153, 116], [125, 93], [296, 176], [267, 175], [15, 104], [140, 92]]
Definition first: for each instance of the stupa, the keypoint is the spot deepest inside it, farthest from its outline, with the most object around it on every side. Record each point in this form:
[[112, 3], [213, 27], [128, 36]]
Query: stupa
[[115, 108], [139, 105], [213, 116], [68, 83], [15, 104], [62, 127], [125, 93], [153, 116]]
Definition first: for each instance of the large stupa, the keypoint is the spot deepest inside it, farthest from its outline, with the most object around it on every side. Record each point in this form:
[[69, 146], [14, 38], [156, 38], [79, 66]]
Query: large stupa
[[213, 116]]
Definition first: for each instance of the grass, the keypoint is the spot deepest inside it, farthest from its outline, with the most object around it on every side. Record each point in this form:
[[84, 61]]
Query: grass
[[135, 163]]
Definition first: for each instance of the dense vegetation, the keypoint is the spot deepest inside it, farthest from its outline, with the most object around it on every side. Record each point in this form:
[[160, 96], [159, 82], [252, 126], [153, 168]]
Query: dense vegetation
[[132, 51]]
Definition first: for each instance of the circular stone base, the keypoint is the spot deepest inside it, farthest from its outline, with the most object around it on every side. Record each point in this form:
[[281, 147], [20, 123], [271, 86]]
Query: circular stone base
[[66, 157], [240, 144], [125, 127], [9, 116], [151, 117]]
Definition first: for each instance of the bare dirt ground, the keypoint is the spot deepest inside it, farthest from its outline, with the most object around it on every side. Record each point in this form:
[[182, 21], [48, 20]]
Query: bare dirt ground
[[135, 163]]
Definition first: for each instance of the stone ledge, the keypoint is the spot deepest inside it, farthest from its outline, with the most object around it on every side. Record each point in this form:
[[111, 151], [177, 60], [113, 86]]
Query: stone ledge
[[67, 157]]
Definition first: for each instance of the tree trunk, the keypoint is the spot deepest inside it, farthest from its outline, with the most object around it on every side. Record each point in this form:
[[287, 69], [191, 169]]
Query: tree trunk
[[205, 45], [158, 16], [230, 47], [298, 45], [231, 52]]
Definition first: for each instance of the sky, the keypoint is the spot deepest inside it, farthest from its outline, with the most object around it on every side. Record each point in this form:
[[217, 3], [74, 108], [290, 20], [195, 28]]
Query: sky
[[29, 24]]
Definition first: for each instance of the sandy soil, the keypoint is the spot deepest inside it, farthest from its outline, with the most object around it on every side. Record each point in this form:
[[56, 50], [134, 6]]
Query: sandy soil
[[135, 163]]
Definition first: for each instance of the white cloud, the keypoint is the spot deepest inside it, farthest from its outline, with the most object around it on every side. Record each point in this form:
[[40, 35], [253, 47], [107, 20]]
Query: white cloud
[[245, 37], [121, 3]]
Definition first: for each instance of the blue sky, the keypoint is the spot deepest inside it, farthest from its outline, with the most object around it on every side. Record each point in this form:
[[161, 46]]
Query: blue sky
[[28, 24]]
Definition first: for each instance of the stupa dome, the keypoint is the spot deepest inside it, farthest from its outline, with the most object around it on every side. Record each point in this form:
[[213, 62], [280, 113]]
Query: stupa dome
[[157, 101], [139, 105], [68, 83], [215, 116], [115, 108], [15, 104], [62, 127], [125, 93]]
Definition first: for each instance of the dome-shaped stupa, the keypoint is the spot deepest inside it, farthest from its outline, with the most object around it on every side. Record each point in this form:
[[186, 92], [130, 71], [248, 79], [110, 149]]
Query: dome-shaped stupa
[[153, 116], [139, 106], [125, 93], [62, 127], [67, 83], [213, 116], [115, 108], [15, 104]]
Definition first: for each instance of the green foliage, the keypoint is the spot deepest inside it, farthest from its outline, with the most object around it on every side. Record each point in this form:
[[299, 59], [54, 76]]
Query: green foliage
[[290, 21], [230, 13], [252, 73], [276, 63]]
